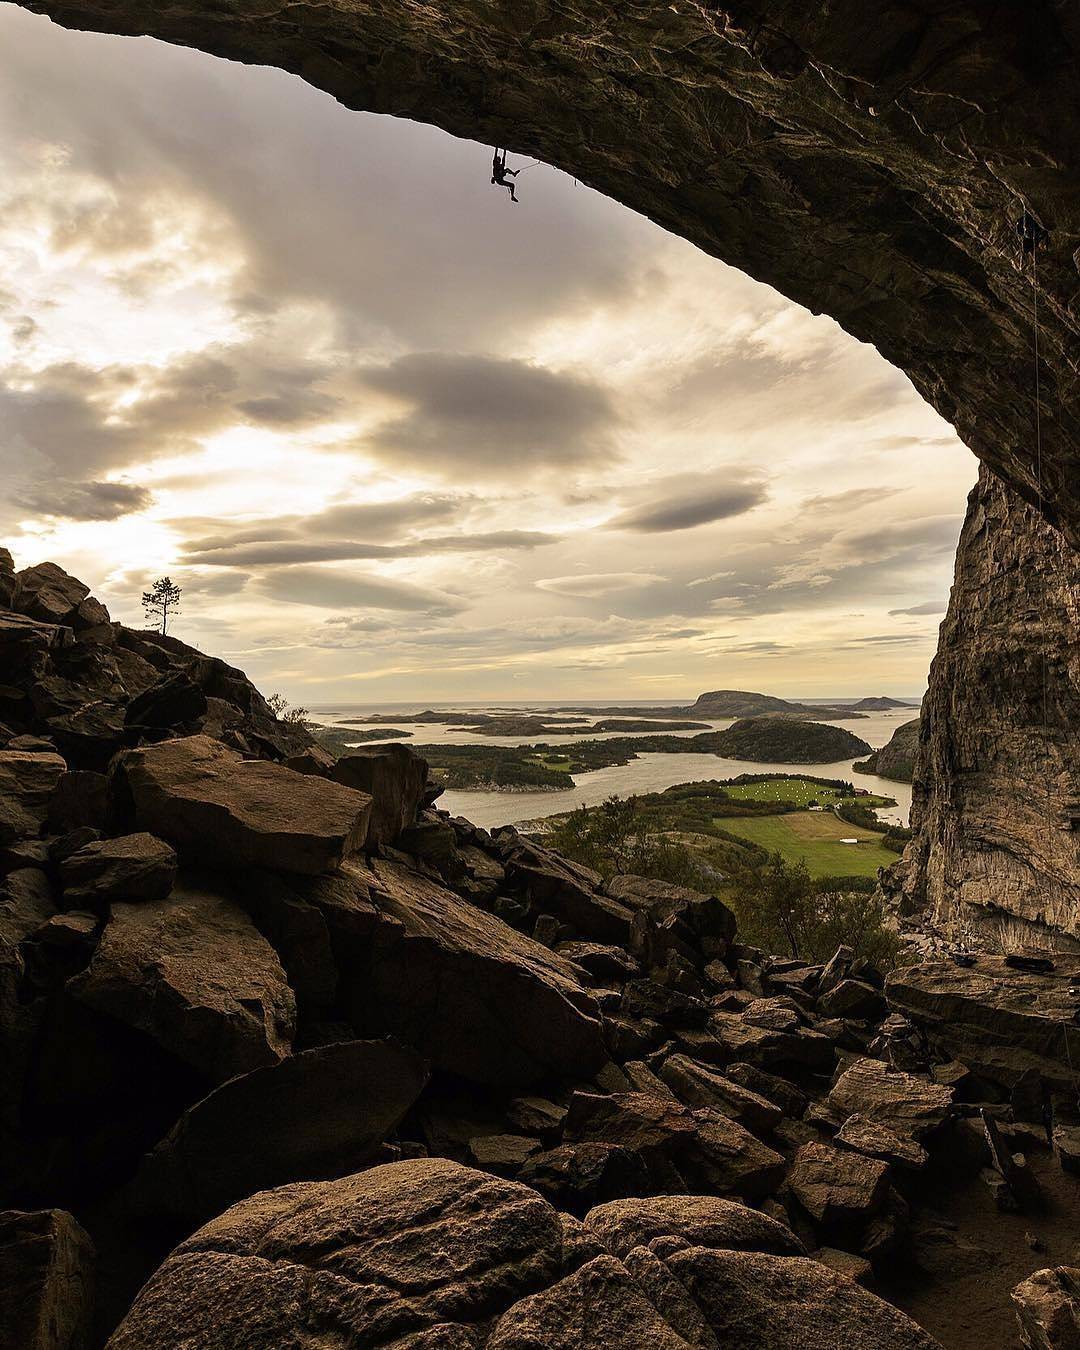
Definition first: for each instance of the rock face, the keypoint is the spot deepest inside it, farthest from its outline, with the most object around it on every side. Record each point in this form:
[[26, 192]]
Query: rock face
[[818, 149], [216, 807], [46, 1281], [422, 1252], [895, 759], [997, 781], [997, 1020]]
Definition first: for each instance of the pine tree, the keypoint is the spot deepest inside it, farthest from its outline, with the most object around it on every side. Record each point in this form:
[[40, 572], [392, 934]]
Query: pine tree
[[162, 602]]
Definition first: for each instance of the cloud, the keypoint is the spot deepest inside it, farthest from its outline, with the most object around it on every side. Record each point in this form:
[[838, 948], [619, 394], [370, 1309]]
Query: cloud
[[277, 551], [325, 589], [83, 501], [687, 509], [598, 584], [491, 413], [927, 607]]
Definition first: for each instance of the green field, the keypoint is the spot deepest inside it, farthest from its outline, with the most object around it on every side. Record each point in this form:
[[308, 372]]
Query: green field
[[814, 838], [795, 790]]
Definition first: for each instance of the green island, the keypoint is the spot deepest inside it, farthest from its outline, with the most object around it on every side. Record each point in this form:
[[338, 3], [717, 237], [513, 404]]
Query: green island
[[766, 739]]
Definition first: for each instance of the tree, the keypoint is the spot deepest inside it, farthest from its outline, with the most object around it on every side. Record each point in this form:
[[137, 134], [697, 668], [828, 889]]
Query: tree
[[279, 705], [162, 602]]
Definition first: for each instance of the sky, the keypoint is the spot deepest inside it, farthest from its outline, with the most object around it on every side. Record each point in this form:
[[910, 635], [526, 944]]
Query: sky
[[399, 439]]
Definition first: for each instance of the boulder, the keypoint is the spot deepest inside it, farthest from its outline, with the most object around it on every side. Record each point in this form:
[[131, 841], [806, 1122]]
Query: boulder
[[502, 1153], [852, 998], [696, 1085], [908, 1105], [80, 801], [837, 1187], [876, 1140], [741, 1041], [47, 593], [220, 809], [394, 777], [704, 1145], [566, 889], [598, 1306], [476, 997], [580, 1175], [46, 1281], [173, 703], [133, 867], [194, 974], [27, 782], [706, 916], [997, 1020], [757, 1301], [370, 1258], [1048, 1309], [319, 1113], [697, 1220]]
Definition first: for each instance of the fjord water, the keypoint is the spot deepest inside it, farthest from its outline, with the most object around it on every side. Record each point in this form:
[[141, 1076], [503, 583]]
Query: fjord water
[[648, 773]]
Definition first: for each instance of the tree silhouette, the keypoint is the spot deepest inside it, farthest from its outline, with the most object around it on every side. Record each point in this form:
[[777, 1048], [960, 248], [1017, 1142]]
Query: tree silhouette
[[162, 602]]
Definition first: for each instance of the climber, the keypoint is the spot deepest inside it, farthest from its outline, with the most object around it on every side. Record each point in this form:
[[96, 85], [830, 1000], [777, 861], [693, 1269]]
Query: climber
[[1030, 234], [500, 173]]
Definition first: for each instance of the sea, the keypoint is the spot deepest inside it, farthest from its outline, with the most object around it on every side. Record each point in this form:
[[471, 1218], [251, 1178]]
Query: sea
[[648, 773]]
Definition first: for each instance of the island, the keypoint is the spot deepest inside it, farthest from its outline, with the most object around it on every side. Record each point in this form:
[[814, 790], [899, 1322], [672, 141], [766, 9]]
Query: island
[[896, 760]]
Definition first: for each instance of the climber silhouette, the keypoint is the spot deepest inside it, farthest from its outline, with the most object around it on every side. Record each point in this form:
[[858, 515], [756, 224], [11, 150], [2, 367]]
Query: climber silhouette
[[500, 173]]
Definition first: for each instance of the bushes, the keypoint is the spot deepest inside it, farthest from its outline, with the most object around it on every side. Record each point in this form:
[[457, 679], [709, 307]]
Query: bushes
[[617, 837], [781, 909]]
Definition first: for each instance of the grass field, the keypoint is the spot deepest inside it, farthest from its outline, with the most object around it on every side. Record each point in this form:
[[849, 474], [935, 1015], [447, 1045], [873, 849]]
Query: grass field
[[815, 839], [792, 790]]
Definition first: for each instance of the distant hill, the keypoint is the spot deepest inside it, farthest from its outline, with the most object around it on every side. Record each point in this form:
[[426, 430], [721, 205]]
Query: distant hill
[[896, 760], [742, 703], [784, 739], [880, 704]]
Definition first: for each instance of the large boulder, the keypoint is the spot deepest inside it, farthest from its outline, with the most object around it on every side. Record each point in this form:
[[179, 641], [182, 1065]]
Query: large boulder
[[558, 886], [220, 809], [997, 1020], [133, 867], [697, 1220], [319, 1113], [910, 1106], [429, 1255], [27, 782], [368, 1258], [475, 996], [835, 1186], [193, 973], [761, 1302], [46, 1281], [394, 777], [47, 593]]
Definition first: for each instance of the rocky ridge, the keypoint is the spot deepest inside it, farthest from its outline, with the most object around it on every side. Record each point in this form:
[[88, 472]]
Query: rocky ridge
[[500, 1102]]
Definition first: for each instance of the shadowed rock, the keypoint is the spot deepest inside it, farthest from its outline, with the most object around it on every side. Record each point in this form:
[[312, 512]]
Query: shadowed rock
[[27, 782], [323, 1111], [218, 808], [46, 1281], [193, 973], [133, 867], [394, 777]]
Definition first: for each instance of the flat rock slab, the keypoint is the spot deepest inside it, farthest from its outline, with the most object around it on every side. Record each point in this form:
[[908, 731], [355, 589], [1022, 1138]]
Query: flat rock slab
[[46, 1281], [133, 867], [27, 782], [910, 1106], [323, 1111], [222, 810], [193, 973], [998, 1021], [472, 994], [368, 1258]]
